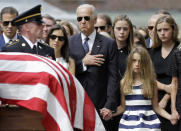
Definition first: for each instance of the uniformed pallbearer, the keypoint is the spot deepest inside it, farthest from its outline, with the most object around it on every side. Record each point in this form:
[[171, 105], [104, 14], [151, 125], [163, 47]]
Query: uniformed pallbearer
[[30, 26]]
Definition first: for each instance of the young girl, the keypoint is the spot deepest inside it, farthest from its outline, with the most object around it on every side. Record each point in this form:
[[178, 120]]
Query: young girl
[[139, 95], [123, 35], [164, 44]]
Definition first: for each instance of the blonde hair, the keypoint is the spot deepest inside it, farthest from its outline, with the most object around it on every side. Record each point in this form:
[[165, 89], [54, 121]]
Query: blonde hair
[[170, 20], [147, 73]]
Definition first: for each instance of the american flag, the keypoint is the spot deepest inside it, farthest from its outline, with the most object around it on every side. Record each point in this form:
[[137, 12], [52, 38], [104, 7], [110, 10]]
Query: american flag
[[40, 84]]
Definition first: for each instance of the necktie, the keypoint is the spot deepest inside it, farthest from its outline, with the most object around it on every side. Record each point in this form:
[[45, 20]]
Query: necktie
[[10, 41], [34, 49], [86, 46]]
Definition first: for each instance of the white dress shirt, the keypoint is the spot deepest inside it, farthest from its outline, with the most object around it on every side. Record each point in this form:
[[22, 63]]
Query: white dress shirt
[[6, 39], [29, 42], [91, 40]]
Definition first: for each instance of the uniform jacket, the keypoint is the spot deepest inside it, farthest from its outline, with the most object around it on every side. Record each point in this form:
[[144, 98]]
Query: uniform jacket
[[20, 45]]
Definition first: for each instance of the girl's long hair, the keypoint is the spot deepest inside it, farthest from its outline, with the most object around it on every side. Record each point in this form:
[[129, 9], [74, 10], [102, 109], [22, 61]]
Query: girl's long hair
[[170, 20], [147, 73]]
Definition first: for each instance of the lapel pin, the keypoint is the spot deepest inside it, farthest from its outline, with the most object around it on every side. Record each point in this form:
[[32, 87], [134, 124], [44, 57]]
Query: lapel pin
[[40, 47], [98, 46], [23, 44]]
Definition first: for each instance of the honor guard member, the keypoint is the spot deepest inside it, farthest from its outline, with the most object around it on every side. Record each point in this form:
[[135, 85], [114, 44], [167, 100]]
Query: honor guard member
[[30, 26]]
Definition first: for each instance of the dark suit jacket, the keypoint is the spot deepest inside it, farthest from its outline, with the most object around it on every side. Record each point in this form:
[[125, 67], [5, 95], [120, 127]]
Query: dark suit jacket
[[147, 42], [2, 41], [20, 45], [100, 83]]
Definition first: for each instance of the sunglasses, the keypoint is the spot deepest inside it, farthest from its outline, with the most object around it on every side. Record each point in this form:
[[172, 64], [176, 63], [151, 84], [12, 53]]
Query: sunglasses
[[60, 38], [100, 27], [150, 27], [6, 23], [87, 18]]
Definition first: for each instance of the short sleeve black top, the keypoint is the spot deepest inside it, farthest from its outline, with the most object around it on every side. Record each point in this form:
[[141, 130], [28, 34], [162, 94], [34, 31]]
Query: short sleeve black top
[[162, 67], [176, 70]]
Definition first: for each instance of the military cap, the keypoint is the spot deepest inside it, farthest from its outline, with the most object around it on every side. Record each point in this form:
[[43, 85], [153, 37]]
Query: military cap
[[33, 14]]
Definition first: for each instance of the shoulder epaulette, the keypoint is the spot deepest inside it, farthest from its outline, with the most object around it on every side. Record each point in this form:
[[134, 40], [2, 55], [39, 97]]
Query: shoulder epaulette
[[43, 43], [179, 47], [13, 42]]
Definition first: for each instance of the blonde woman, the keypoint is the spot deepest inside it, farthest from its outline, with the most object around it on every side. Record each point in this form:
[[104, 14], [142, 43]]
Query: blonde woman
[[164, 44]]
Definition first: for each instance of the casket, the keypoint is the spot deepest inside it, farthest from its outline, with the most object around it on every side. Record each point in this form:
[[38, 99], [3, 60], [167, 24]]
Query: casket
[[20, 119]]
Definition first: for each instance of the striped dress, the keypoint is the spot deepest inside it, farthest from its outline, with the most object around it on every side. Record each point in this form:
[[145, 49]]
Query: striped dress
[[139, 115]]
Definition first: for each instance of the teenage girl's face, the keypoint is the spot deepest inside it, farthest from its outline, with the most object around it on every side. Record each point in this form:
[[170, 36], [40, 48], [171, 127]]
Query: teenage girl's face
[[121, 30], [55, 42], [136, 65], [165, 32]]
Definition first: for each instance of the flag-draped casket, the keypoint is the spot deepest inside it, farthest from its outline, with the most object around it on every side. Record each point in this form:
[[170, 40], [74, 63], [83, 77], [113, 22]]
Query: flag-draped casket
[[40, 84]]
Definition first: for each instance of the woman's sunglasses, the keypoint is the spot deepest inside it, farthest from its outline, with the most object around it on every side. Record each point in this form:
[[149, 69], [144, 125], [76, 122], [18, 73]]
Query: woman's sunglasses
[[60, 38]]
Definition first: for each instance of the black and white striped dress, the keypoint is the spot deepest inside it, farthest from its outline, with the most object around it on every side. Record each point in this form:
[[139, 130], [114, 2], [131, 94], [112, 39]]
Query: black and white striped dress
[[139, 115]]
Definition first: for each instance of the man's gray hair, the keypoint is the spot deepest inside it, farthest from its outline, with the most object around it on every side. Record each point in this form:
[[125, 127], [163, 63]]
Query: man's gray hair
[[93, 9], [47, 16]]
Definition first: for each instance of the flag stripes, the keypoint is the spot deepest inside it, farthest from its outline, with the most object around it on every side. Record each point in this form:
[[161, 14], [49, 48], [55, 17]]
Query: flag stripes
[[40, 84]]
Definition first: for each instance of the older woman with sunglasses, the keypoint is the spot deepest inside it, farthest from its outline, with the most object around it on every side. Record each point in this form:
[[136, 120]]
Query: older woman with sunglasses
[[57, 39]]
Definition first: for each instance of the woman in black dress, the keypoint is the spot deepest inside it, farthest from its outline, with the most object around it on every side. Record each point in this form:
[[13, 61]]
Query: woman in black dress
[[123, 35], [176, 81], [165, 42]]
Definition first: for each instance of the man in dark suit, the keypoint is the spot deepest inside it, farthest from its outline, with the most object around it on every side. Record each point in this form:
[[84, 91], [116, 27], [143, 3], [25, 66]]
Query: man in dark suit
[[8, 27], [30, 26], [103, 23], [96, 63]]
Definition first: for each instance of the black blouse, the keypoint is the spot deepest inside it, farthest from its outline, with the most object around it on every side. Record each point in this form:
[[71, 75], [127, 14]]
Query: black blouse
[[122, 60], [162, 66], [176, 70]]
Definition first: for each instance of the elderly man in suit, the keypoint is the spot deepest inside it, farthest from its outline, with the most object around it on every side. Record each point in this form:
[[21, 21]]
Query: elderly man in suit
[[8, 26], [96, 63], [30, 26]]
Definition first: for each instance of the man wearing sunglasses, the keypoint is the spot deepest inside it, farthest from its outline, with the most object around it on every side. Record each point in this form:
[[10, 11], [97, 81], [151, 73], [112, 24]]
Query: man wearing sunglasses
[[30, 26], [8, 26], [96, 63], [151, 25], [103, 23]]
